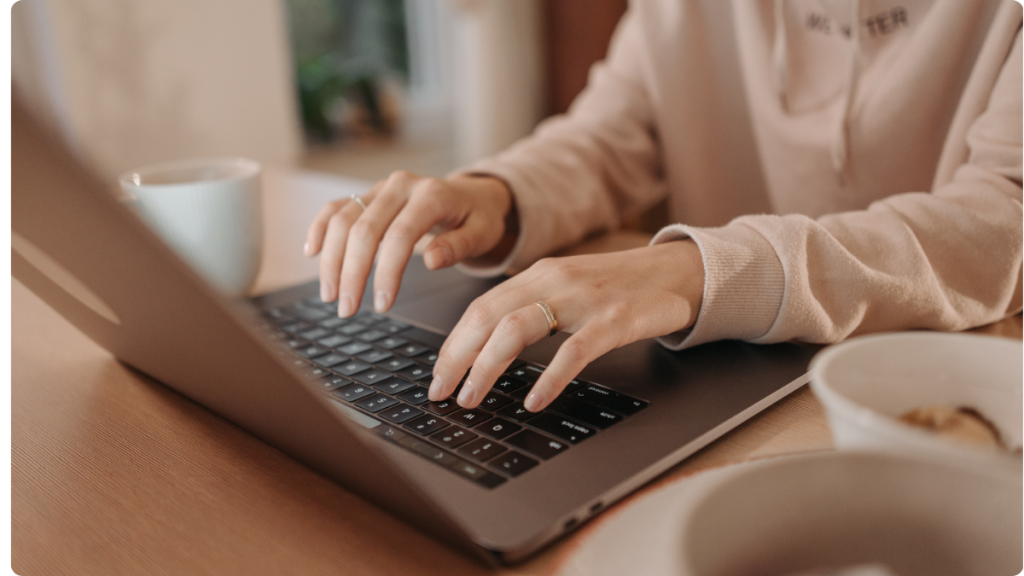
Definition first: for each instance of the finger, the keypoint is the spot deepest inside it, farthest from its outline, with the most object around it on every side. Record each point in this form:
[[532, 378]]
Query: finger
[[469, 336], [318, 228], [513, 333], [421, 213], [475, 237], [582, 348], [363, 239], [333, 248]]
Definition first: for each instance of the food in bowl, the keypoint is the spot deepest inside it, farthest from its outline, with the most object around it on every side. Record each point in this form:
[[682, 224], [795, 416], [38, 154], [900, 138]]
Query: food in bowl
[[962, 423]]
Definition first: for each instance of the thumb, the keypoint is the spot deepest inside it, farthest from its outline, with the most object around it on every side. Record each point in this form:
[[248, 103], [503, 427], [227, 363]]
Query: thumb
[[474, 238]]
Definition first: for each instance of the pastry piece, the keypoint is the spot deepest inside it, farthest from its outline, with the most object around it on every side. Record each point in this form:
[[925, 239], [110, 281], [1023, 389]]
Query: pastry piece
[[963, 423]]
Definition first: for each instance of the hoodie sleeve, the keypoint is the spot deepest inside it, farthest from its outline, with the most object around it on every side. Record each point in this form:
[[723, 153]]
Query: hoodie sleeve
[[584, 171], [949, 259]]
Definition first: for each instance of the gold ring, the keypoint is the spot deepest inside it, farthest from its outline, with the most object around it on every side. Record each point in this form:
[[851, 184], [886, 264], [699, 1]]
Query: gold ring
[[550, 315], [359, 202]]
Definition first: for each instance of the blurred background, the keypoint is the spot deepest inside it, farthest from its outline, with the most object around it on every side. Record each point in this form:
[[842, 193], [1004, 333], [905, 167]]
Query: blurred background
[[352, 87]]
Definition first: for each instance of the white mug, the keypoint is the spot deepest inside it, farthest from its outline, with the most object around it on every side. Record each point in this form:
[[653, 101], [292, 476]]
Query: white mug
[[209, 211]]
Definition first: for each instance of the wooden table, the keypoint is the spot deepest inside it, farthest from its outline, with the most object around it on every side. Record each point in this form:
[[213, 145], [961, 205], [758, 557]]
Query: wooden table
[[115, 474]]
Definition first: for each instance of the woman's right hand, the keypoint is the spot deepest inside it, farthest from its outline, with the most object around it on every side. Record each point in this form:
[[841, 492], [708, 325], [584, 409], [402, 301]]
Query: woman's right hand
[[471, 211]]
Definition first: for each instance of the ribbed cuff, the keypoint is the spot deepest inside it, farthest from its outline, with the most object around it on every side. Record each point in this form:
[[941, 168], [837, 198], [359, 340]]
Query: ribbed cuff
[[744, 283]]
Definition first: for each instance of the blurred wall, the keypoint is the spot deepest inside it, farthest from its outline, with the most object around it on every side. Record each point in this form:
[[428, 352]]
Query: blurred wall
[[498, 74], [132, 82]]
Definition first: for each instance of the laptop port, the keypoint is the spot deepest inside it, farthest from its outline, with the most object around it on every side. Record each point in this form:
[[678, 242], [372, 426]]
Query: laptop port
[[596, 508], [570, 524]]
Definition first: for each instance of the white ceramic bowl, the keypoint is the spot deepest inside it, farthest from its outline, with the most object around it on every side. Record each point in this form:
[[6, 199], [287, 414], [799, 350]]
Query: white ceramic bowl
[[866, 383], [815, 512], [915, 517]]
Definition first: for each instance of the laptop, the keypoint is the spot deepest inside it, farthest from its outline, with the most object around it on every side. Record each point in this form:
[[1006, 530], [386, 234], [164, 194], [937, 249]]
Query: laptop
[[347, 396]]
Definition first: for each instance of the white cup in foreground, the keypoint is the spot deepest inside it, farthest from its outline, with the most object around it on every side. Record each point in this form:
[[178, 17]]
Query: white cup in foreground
[[209, 210], [823, 513]]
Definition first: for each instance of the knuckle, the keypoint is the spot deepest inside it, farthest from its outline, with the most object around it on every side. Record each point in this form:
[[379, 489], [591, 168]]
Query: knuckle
[[338, 220], [399, 233], [478, 315], [576, 351], [362, 228], [513, 326]]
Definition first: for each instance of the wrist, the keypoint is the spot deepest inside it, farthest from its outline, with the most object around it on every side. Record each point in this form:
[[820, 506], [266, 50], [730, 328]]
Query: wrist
[[683, 265], [498, 200]]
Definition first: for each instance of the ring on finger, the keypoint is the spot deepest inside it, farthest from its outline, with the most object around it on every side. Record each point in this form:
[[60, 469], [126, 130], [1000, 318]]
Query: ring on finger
[[550, 315], [359, 202]]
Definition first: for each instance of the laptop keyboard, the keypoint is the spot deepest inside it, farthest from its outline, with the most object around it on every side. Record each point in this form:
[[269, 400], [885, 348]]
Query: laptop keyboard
[[377, 371]]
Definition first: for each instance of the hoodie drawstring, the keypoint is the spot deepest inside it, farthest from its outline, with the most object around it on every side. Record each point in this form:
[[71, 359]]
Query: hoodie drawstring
[[840, 150]]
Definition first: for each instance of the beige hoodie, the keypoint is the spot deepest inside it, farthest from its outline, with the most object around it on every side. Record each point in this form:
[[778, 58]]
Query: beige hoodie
[[838, 179]]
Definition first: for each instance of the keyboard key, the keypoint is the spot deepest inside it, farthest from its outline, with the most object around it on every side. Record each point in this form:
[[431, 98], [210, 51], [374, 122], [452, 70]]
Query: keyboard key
[[393, 326], [561, 427], [482, 449], [312, 351], [299, 363], [411, 350], [370, 317], [309, 314], [314, 334], [400, 413], [331, 359], [374, 356], [295, 343], [521, 374], [376, 403], [296, 327], [512, 463], [494, 401], [429, 451], [390, 432], [426, 424], [332, 323], [584, 412], [625, 405], [395, 364], [372, 377], [350, 368], [371, 335], [353, 393], [469, 418], [333, 382], [516, 412], [498, 428], [352, 329], [509, 384], [429, 358], [476, 473], [394, 386], [315, 372], [391, 342], [521, 393], [355, 348], [443, 407], [334, 341], [537, 444], [453, 437], [415, 396], [416, 372], [593, 393]]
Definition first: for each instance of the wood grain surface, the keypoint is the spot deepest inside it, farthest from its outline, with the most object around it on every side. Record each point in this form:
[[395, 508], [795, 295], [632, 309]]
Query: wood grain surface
[[115, 474]]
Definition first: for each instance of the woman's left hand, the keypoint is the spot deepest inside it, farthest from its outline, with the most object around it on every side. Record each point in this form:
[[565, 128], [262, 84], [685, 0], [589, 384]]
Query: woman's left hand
[[604, 300]]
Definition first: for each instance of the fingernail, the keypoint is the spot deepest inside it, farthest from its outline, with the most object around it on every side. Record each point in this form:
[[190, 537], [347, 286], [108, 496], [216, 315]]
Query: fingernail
[[534, 402], [466, 396], [325, 292], [305, 249], [434, 393], [346, 306], [380, 301]]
